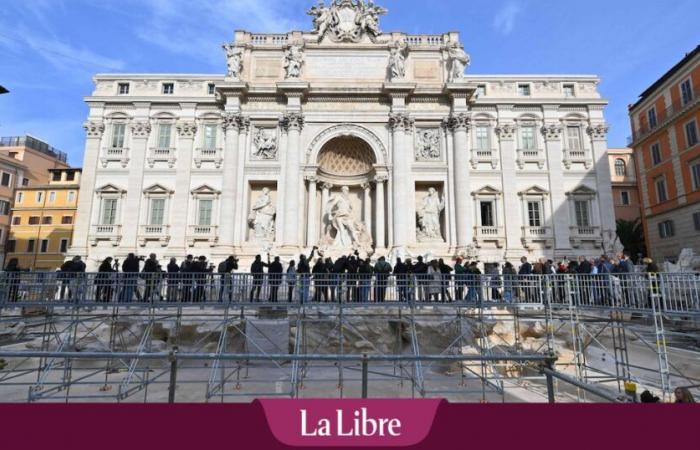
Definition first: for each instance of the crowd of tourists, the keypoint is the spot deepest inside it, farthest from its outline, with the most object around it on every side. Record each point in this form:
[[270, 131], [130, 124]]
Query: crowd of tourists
[[348, 278]]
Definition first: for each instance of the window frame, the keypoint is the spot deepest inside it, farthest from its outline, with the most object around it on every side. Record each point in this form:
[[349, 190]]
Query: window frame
[[652, 117], [695, 174], [533, 129], [63, 246], [696, 220], [661, 180], [696, 138], [667, 229], [8, 176], [625, 198], [492, 212], [539, 219], [569, 87], [620, 167], [121, 90], [686, 97], [118, 139], [168, 88], [655, 153], [524, 90], [44, 246], [161, 144], [47, 220], [66, 222], [578, 138], [31, 245], [199, 217], [103, 209], [479, 140]]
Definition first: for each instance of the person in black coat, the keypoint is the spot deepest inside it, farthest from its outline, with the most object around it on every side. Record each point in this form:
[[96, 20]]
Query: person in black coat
[[151, 273], [275, 271], [445, 270], [12, 272], [303, 272], [420, 270], [319, 272], [257, 269], [130, 270], [336, 282], [173, 269], [200, 270], [401, 274], [105, 281], [353, 266]]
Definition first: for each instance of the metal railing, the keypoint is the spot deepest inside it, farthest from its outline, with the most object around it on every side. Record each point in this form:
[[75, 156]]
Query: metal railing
[[679, 293]]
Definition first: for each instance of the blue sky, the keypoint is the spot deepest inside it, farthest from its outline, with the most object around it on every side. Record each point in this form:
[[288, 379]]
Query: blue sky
[[49, 49]]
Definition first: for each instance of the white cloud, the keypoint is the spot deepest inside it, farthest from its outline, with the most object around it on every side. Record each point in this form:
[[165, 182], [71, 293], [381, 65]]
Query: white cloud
[[505, 19]]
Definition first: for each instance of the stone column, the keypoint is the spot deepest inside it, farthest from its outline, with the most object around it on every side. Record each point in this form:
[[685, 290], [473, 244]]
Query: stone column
[[459, 124], [559, 220], [402, 191], [380, 242], [95, 131], [292, 124], [185, 146], [312, 219], [513, 221], [367, 188], [601, 164], [140, 131], [231, 124]]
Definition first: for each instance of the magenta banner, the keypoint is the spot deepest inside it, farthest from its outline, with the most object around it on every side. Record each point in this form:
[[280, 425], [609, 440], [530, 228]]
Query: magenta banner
[[277, 424]]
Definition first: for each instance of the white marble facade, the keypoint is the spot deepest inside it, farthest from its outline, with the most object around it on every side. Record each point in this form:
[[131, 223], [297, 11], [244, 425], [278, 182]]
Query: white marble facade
[[514, 165]]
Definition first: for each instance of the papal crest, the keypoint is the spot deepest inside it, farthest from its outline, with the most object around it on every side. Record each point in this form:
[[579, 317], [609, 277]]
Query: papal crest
[[347, 20]]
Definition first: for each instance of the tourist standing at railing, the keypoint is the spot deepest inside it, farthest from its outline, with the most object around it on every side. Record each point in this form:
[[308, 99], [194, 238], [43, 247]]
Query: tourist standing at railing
[[509, 278], [382, 269], [13, 275], [420, 270], [200, 273], [364, 275], [353, 267], [683, 395], [152, 274], [446, 272], [130, 271], [460, 279], [187, 278], [473, 282], [525, 271], [304, 273], [257, 269], [401, 275], [410, 279], [105, 281], [274, 271], [320, 272], [291, 280], [173, 282], [433, 281]]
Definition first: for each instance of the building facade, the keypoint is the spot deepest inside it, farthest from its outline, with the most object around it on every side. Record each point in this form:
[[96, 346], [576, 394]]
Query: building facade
[[42, 221], [623, 174], [345, 138], [666, 137], [11, 178]]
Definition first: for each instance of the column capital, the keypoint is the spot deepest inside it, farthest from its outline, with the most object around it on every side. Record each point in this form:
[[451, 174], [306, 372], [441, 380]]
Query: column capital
[[234, 121], [598, 132], [401, 122], [459, 122], [552, 131], [292, 121], [506, 131], [379, 179], [186, 129], [327, 186], [366, 186], [311, 178], [140, 129], [94, 129]]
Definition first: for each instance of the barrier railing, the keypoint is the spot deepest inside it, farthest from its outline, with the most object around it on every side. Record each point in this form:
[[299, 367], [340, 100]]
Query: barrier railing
[[679, 293]]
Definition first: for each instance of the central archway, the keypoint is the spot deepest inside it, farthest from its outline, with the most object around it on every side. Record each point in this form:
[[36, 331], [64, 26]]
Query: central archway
[[346, 156]]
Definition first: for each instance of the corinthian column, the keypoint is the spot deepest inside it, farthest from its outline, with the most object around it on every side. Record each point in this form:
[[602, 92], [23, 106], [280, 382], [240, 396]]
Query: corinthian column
[[231, 124], [402, 190], [140, 131], [459, 124], [379, 239], [94, 130], [292, 123], [185, 146], [312, 219]]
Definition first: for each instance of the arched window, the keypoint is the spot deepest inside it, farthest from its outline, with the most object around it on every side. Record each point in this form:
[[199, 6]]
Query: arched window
[[620, 168]]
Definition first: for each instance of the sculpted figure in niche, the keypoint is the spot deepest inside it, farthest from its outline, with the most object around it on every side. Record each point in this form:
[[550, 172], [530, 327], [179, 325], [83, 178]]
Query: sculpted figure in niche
[[460, 61], [234, 61], [397, 60], [429, 217], [350, 234], [265, 145], [262, 217], [293, 59]]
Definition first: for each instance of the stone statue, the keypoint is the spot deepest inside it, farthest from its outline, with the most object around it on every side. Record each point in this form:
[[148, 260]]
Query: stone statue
[[265, 145], [322, 18], [293, 59], [262, 217], [429, 217], [427, 145], [350, 234], [234, 61], [397, 61], [369, 17], [460, 60]]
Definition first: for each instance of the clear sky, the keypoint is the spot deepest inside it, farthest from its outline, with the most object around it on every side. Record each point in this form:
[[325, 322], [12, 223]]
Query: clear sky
[[49, 49]]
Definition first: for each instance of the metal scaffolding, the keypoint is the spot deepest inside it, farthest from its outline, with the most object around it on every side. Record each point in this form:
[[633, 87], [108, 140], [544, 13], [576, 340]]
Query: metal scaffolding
[[214, 339]]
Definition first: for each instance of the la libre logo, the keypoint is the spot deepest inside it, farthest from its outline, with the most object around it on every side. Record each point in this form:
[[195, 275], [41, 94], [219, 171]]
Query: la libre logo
[[357, 424]]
